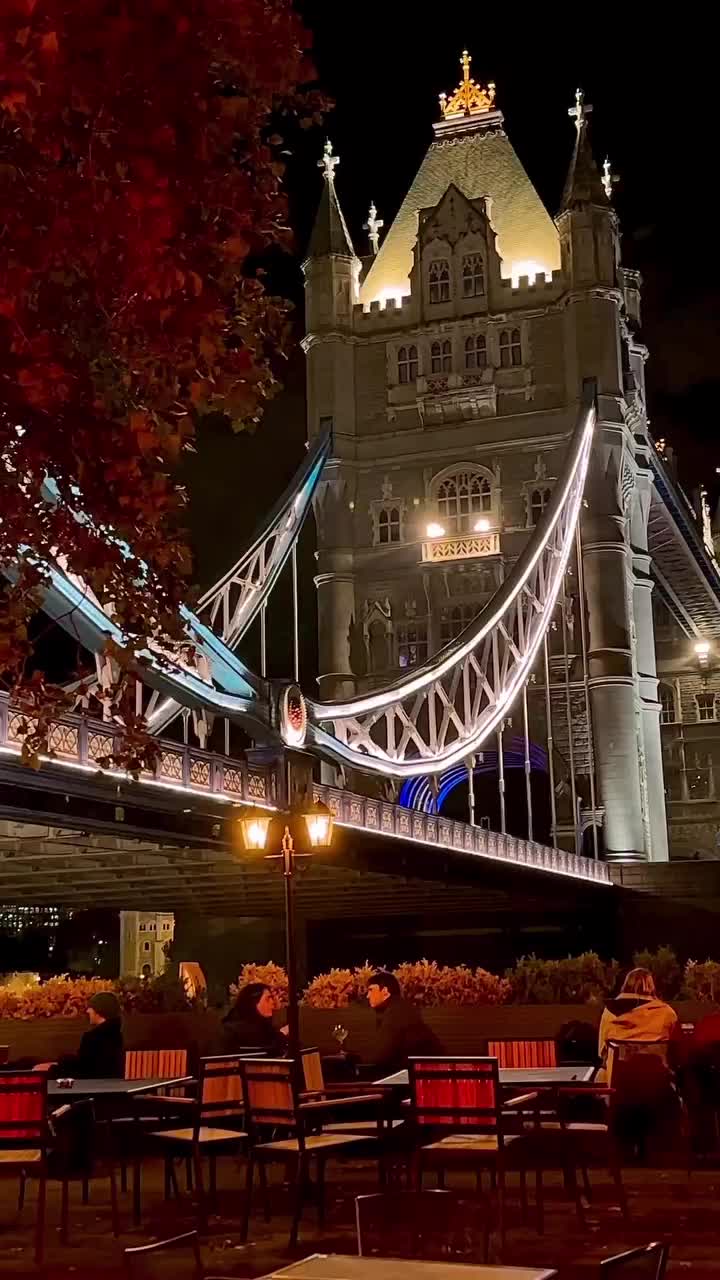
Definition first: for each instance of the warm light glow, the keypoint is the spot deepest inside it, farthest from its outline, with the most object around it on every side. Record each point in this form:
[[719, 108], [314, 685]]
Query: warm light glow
[[435, 530], [319, 823], [395, 292], [527, 267], [255, 826], [702, 651], [481, 526]]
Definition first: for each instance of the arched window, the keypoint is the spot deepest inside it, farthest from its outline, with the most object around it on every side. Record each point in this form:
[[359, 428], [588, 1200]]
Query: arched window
[[539, 499], [377, 643], [475, 352], [388, 525], [462, 497], [407, 364], [441, 357], [456, 619], [667, 704], [439, 280], [510, 348], [473, 276]]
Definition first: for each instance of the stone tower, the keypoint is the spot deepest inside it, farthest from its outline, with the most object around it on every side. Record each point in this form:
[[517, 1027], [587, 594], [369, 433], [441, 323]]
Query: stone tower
[[450, 363]]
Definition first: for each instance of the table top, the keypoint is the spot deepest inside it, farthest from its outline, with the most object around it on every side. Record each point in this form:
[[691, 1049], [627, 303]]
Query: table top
[[93, 1088], [519, 1076], [324, 1266]]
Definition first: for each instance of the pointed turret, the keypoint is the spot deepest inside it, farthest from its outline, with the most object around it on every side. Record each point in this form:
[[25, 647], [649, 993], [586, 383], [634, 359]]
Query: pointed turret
[[330, 235], [586, 222], [583, 185]]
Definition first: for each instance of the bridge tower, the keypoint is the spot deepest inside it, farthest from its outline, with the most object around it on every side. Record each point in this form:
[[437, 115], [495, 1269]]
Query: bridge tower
[[450, 363]]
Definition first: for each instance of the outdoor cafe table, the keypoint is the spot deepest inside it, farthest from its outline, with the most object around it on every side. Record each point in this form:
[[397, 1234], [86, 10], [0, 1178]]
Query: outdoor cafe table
[[331, 1266], [517, 1077], [105, 1088]]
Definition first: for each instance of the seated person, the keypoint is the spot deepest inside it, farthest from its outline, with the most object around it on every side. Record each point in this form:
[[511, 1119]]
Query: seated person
[[249, 1023], [101, 1052], [637, 1014], [400, 1032]]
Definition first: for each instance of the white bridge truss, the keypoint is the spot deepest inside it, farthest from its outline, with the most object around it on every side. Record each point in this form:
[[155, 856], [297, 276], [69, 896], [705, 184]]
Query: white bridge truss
[[444, 711]]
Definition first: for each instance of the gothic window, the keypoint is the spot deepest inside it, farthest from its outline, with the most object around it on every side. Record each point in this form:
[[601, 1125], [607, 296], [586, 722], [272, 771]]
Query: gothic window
[[441, 357], [475, 352], [412, 643], [389, 525], [510, 348], [462, 497], [473, 276], [439, 280], [667, 704], [455, 620], [706, 706], [407, 364], [539, 499]]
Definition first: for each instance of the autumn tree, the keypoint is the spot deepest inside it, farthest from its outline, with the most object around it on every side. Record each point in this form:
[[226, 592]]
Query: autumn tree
[[140, 171]]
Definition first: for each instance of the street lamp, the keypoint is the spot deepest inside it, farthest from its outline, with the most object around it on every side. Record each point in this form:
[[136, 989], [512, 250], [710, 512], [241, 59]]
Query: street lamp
[[310, 824]]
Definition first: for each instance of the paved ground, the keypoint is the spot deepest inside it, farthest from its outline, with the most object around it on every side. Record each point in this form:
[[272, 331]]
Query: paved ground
[[664, 1205]]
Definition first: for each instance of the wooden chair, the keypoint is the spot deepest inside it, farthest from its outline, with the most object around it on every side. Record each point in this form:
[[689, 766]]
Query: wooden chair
[[317, 1089], [534, 1052], [273, 1103], [646, 1263], [621, 1051], [437, 1226], [458, 1104], [560, 1140], [213, 1125], [25, 1138], [155, 1064]]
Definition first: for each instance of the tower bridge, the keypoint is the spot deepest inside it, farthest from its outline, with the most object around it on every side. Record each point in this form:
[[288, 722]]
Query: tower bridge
[[506, 571]]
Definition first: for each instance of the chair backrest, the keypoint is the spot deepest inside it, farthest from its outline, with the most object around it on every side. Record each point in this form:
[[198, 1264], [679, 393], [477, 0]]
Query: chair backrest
[[434, 1225], [455, 1092], [269, 1092], [23, 1109], [312, 1070], [220, 1090], [638, 1064], [523, 1053], [646, 1263], [155, 1064], [151, 1260]]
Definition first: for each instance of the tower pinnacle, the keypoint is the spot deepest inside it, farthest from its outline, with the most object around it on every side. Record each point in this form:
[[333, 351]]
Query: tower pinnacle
[[373, 227], [329, 162], [584, 184], [469, 98], [580, 111]]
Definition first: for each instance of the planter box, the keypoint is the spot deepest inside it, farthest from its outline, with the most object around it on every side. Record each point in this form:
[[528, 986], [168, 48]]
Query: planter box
[[45, 1039]]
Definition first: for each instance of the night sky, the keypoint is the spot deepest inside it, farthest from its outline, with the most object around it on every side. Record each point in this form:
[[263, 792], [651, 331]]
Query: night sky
[[384, 65]]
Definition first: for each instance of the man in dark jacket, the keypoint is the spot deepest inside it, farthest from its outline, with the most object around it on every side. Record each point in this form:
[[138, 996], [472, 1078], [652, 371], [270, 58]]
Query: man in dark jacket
[[101, 1052], [400, 1030]]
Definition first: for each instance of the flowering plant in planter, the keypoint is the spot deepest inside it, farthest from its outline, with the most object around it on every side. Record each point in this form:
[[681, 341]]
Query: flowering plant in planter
[[272, 976]]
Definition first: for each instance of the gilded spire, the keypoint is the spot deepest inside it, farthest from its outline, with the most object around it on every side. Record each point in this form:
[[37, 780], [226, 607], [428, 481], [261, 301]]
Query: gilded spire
[[469, 99]]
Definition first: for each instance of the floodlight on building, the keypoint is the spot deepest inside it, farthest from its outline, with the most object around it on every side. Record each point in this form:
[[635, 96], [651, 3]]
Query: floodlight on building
[[482, 525], [435, 530]]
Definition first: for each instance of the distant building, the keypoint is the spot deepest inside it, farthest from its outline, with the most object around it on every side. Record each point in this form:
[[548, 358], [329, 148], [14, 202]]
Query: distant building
[[144, 937]]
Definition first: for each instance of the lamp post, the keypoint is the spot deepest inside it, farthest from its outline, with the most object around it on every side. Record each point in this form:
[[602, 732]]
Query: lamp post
[[312, 824]]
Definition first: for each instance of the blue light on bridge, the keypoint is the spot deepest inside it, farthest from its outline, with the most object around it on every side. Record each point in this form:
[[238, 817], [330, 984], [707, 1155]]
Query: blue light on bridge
[[417, 793]]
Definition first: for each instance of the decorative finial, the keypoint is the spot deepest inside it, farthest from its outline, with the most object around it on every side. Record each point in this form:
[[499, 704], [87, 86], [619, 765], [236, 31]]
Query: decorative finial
[[469, 98], [580, 111], [328, 162], [609, 178], [373, 226]]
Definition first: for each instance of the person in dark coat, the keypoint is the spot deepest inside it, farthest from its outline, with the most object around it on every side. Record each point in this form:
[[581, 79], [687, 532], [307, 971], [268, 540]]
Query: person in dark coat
[[400, 1032], [249, 1023], [101, 1053]]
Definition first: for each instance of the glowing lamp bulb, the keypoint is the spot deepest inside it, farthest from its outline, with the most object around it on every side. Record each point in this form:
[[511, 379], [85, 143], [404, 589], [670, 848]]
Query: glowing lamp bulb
[[702, 648], [482, 525], [254, 827], [435, 530], [319, 823]]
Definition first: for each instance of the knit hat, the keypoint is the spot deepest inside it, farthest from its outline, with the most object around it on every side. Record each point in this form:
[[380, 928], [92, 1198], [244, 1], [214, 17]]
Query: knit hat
[[106, 1004]]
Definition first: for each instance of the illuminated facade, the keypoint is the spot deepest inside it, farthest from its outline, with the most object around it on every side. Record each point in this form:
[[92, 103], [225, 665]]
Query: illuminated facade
[[450, 365], [144, 938]]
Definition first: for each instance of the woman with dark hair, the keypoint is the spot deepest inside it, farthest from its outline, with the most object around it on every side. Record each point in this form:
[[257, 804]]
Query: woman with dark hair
[[249, 1024]]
